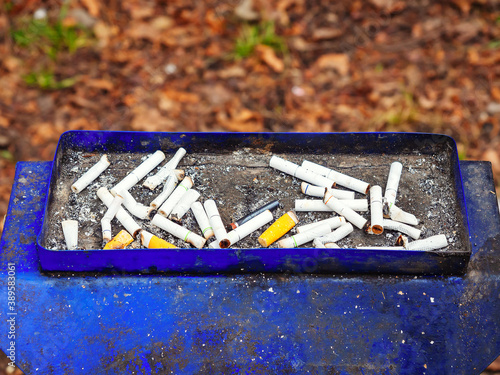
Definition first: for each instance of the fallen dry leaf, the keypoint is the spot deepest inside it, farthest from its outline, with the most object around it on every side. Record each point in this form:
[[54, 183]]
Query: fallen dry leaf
[[337, 61], [102, 84], [324, 33], [93, 6], [150, 119], [231, 72], [242, 120], [268, 55], [4, 122], [463, 5], [245, 11], [181, 96], [495, 93]]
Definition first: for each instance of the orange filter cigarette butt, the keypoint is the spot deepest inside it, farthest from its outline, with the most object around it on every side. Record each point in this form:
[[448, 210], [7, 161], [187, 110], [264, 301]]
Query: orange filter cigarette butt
[[151, 241], [120, 241], [278, 229]]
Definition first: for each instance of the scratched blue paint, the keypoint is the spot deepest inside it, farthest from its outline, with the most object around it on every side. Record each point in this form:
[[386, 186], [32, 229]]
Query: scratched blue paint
[[258, 260], [254, 323]]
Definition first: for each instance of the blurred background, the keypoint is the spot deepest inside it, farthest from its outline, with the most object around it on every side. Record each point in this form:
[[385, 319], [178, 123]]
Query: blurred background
[[247, 65]]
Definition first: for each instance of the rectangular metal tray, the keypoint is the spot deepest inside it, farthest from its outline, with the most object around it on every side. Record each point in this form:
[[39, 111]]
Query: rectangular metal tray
[[233, 169]]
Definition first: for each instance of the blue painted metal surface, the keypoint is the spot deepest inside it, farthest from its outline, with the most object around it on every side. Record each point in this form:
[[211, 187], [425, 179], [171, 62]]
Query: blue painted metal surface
[[262, 324], [259, 260]]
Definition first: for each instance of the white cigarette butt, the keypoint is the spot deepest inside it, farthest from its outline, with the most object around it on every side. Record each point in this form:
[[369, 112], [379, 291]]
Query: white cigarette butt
[[391, 189], [430, 243], [376, 210], [403, 228], [319, 191], [122, 216], [318, 244], [302, 205], [180, 209], [108, 216], [246, 228], [334, 223], [89, 176], [70, 231], [304, 237], [336, 235], [215, 220], [202, 220], [135, 208], [139, 172], [339, 178], [153, 181], [397, 214], [168, 188], [178, 231], [342, 209], [299, 172], [174, 198]]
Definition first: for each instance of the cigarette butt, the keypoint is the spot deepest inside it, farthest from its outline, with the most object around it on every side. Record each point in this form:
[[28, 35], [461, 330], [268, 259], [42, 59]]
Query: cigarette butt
[[151, 241], [317, 243], [139, 172], [341, 209], [338, 178], [403, 228], [278, 229], [108, 216], [337, 234], [377, 218], [168, 188], [245, 229], [215, 220], [89, 176], [121, 215], [391, 189], [178, 231], [153, 181], [319, 191], [214, 245], [430, 243], [333, 222], [180, 174], [271, 206], [202, 219], [70, 231], [304, 205], [180, 209], [299, 172], [397, 214], [331, 245], [401, 241], [135, 208], [120, 241], [304, 237], [174, 198]]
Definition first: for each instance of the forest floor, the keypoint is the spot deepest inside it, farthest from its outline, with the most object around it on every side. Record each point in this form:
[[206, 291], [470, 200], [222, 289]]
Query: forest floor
[[249, 65]]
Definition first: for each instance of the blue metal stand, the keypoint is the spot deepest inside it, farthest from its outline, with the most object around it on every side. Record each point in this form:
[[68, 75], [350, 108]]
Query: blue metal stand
[[263, 324]]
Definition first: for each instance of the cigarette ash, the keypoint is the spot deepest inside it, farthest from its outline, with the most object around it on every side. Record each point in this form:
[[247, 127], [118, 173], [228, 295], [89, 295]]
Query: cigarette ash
[[242, 181]]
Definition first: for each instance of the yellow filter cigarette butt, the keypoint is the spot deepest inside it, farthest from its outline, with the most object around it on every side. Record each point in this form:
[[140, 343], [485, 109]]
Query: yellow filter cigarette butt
[[120, 241], [158, 243], [278, 229], [151, 241]]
